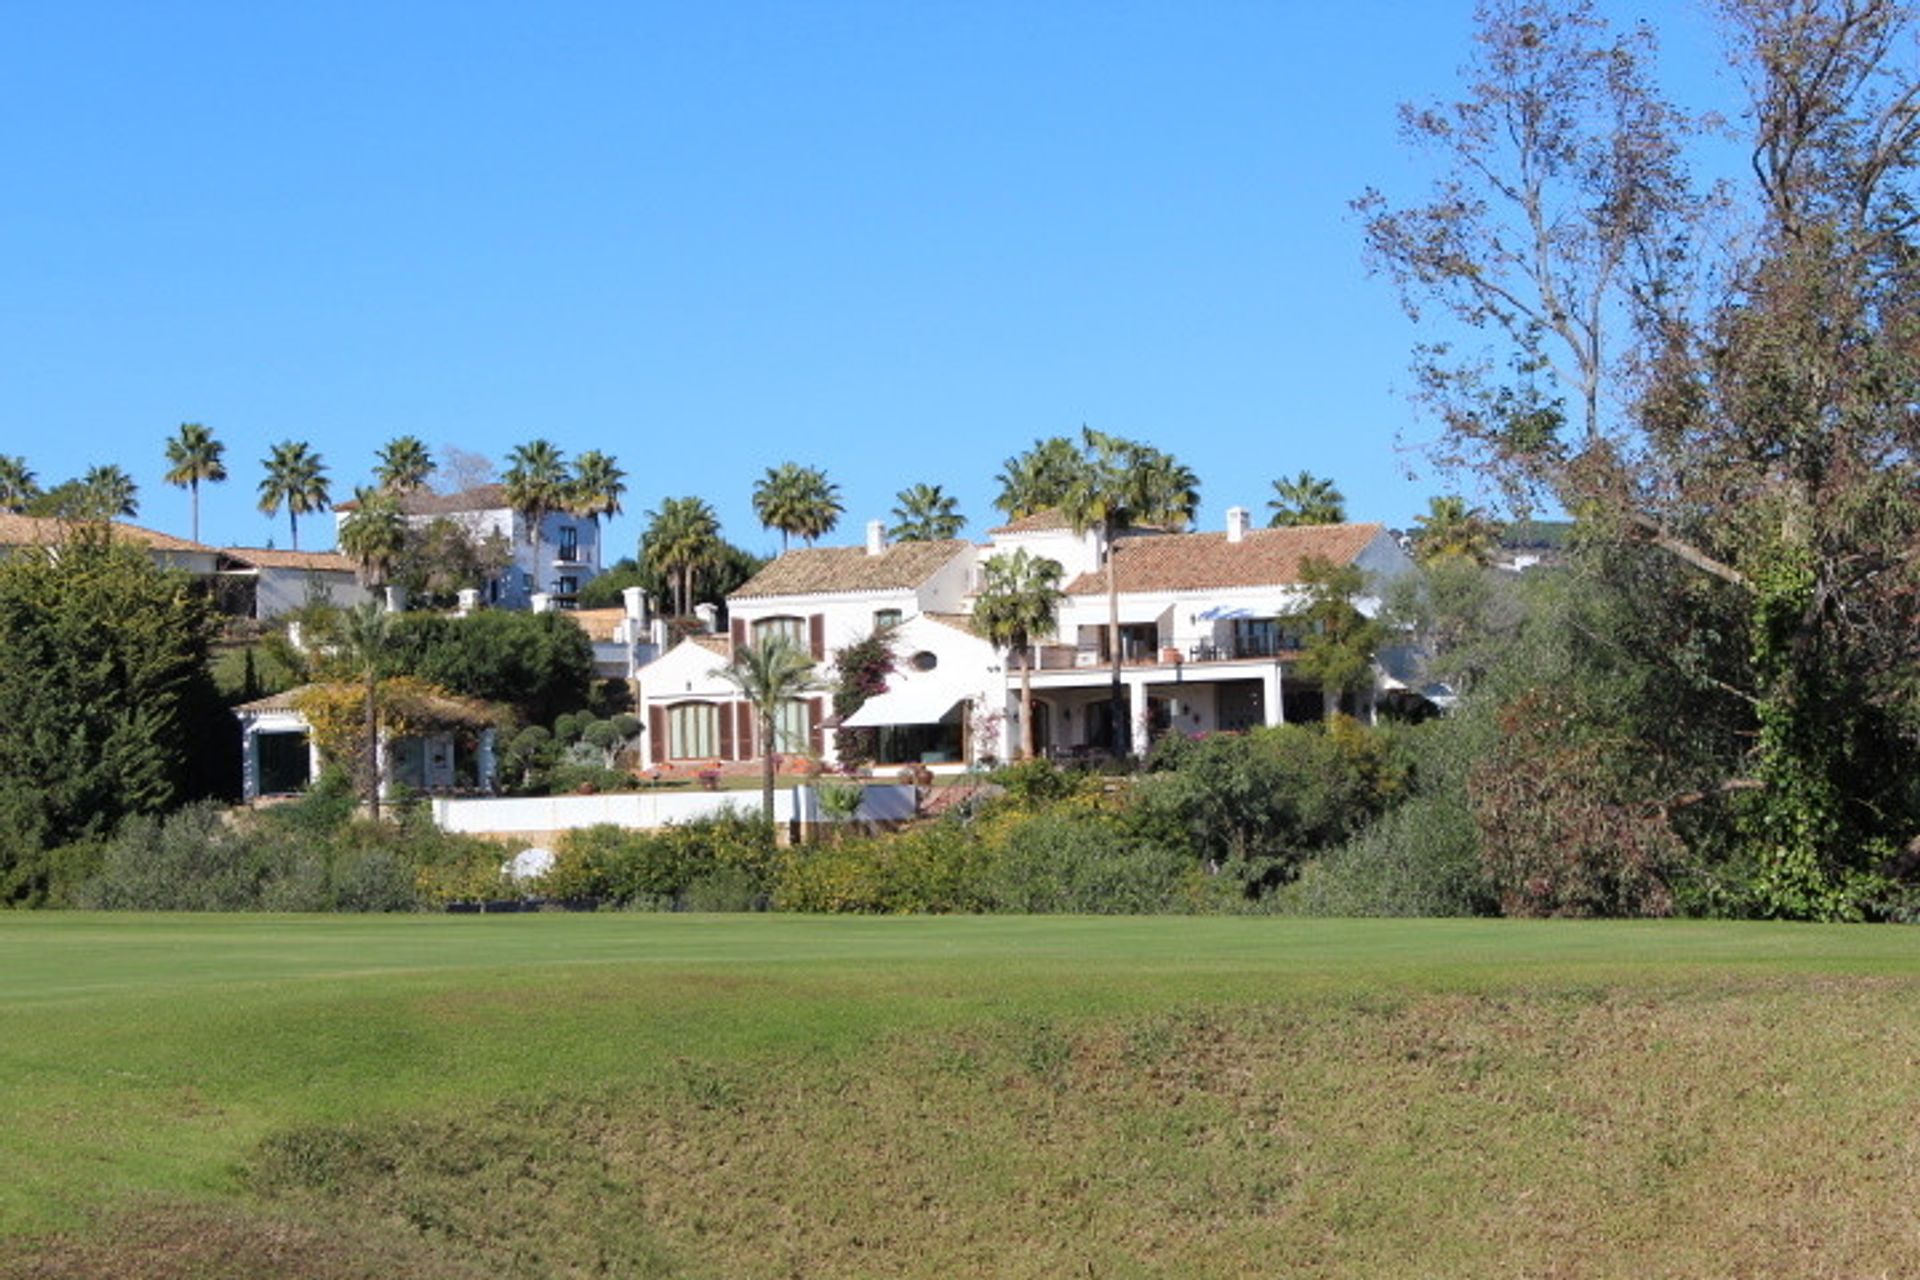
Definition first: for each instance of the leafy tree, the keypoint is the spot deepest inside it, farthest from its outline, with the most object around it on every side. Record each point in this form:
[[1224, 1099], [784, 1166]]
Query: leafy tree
[[682, 541], [17, 487], [193, 456], [540, 664], [797, 500], [296, 478], [104, 678], [405, 465], [1340, 642], [1019, 601], [538, 484], [110, 493], [769, 673], [598, 483], [1451, 529], [374, 534], [1122, 484], [1038, 479], [860, 672], [1742, 403], [1306, 499], [442, 557], [924, 513]]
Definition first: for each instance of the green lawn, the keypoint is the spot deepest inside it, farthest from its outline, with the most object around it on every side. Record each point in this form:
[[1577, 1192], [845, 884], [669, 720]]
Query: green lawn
[[778, 1096]]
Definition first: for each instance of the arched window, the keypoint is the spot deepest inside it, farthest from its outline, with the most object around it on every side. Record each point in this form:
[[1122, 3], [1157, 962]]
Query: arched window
[[693, 731], [794, 629]]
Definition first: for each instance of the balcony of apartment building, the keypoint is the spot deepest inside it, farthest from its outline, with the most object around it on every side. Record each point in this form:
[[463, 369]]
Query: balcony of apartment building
[[1228, 639]]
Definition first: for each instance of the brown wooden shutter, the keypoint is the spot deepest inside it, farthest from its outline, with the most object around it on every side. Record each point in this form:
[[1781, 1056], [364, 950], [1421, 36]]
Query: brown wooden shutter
[[816, 732], [726, 732], [737, 628], [744, 730], [657, 734], [817, 635]]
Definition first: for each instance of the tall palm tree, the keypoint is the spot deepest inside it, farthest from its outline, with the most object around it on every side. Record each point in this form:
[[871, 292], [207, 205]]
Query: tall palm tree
[[193, 455], [797, 500], [110, 493], [296, 478], [1305, 499], [1122, 484], [1453, 529], [1039, 478], [404, 465], [682, 538], [538, 484], [1019, 601], [769, 673], [374, 534], [925, 513], [364, 635], [598, 485], [17, 485]]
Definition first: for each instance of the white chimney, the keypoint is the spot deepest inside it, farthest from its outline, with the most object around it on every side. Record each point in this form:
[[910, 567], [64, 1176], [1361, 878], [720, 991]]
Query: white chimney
[[876, 537], [707, 614], [541, 602], [635, 599], [1237, 524], [469, 600], [657, 633]]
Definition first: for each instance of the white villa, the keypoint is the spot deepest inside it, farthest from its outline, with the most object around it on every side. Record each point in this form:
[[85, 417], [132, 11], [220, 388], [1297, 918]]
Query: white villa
[[1204, 639], [569, 545]]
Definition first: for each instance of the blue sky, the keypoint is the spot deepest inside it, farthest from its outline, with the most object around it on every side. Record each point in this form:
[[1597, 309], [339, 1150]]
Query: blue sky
[[898, 241]]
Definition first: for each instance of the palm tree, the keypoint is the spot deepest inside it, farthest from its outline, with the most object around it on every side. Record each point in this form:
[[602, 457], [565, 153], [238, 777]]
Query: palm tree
[[363, 635], [374, 534], [110, 492], [194, 455], [297, 478], [598, 484], [1039, 478], [1122, 483], [404, 466], [769, 673], [1305, 499], [925, 514], [1019, 600], [682, 538], [538, 484], [797, 500], [17, 486], [1453, 529]]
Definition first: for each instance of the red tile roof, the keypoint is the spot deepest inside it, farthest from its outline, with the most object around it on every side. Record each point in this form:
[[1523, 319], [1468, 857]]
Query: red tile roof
[[43, 531], [1042, 521], [485, 497], [1203, 561], [823, 570], [274, 558]]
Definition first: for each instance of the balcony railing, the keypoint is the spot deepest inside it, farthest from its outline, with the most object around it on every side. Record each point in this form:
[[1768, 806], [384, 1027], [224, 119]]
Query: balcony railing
[[1067, 657]]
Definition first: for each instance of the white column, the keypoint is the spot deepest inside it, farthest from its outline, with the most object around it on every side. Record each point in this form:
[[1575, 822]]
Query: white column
[[1137, 712], [485, 765], [314, 761], [1270, 705], [250, 764]]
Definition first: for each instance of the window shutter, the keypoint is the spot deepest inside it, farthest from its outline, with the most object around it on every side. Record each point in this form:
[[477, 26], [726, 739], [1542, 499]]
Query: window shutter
[[657, 734], [817, 635], [726, 733], [743, 719], [816, 732], [737, 628]]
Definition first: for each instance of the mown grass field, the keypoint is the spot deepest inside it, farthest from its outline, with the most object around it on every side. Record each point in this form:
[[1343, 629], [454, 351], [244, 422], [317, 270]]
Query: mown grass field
[[637, 1095]]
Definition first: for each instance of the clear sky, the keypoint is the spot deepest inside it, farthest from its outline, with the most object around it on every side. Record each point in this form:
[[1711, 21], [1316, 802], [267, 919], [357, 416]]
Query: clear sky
[[898, 241]]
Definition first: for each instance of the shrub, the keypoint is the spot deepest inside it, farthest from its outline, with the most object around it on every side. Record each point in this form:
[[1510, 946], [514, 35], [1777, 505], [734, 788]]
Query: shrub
[[1087, 863], [1039, 781]]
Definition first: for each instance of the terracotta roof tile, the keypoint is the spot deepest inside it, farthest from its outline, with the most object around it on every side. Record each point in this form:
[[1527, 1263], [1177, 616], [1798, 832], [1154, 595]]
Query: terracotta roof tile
[[958, 621], [715, 644], [821, 570], [273, 558], [485, 497], [1043, 521], [41, 531], [1203, 561]]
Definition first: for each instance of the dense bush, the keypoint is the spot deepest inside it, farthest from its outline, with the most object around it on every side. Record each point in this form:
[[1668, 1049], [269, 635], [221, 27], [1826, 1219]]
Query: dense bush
[[540, 664], [723, 862], [1089, 863], [935, 868]]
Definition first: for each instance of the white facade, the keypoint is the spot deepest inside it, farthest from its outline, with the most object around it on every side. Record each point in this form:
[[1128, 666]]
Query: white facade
[[567, 559]]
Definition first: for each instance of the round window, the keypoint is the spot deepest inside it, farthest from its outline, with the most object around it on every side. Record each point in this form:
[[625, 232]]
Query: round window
[[924, 661]]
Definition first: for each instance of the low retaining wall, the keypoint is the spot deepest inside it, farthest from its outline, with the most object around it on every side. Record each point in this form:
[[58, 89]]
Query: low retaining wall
[[546, 815]]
